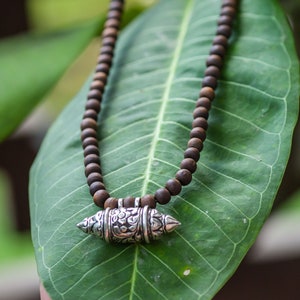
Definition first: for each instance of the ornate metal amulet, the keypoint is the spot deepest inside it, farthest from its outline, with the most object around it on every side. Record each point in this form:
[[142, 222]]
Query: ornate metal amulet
[[128, 225]]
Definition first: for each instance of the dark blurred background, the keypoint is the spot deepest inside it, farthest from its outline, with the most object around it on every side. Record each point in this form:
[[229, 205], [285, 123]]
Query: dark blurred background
[[269, 271]]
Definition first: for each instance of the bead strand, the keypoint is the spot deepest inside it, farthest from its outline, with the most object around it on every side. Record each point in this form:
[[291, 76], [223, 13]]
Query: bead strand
[[188, 165], [214, 64], [93, 104]]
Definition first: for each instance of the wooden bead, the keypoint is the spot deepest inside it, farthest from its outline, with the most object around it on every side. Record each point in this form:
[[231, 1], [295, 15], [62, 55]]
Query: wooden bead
[[114, 14], [207, 92], [91, 158], [94, 94], [96, 186], [200, 112], [93, 104], [192, 153], [209, 81], [91, 149], [105, 58], [173, 186], [100, 76], [111, 203], [148, 200], [108, 41], [188, 164], [200, 122], [220, 40], [214, 60], [110, 32], [184, 176], [224, 30], [212, 71], [225, 20], [107, 50], [93, 177], [162, 196], [116, 5], [88, 123], [228, 11], [92, 168], [195, 143], [218, 50], [102, 67], [100, 197], [89, 141], [129, 202], [199, 133], [204, 102], [90, 113], [112, 23], [229, 3], [88, 132]]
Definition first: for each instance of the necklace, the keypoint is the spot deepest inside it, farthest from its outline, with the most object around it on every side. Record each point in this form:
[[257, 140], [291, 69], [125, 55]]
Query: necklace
[[131, 220]]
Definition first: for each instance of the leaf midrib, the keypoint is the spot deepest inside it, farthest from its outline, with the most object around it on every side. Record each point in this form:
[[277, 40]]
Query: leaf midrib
[[166, 95]]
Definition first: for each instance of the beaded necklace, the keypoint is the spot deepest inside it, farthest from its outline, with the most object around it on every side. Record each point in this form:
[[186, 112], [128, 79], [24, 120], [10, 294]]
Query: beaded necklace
[[131, 220]]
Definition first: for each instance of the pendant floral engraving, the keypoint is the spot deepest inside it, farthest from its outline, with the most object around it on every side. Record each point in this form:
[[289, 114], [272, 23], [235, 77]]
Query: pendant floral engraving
[[129, 225]]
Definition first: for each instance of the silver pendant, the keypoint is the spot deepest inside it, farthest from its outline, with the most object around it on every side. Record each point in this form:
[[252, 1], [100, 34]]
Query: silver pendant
[[128, 225]]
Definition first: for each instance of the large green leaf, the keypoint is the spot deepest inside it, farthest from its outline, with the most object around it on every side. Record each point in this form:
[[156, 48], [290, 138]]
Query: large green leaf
[[31, 64], [143, 131]]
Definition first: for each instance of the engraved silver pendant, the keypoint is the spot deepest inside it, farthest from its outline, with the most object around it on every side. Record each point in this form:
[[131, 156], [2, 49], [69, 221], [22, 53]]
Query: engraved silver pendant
[[128, 225]]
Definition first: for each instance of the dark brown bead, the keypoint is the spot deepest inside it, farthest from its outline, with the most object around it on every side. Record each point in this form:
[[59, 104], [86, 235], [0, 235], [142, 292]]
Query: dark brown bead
[[129, 202], [162, 196], [207, 92], [105, 58], [195, 143], [229, 3], [212, 71], [114, 14], [93, 177], [110, 32], [88, 123], [92, 168], [94, 94], [209, 81], [224, 30], [107, 50], [91, 149], [90, 113], [91, 158], [100, 197], [200, 122], [204, 102], [199, 133], [88, 132], [228, 11], [184, 176], [220, 40], [148, 200], [173, 186], [116, 5], [103, 67], [200, 112], [218, 50], [108, 41], [225, 20], [89, 141], [188, 164], [100, 76], [93, 104], [214, 60], [111, 203], [192, 153], [112, 23], [96, 186], [97, 85]]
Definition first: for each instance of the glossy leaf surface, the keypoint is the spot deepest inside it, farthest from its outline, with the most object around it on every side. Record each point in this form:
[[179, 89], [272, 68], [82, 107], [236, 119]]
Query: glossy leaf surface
[[143, 131]]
